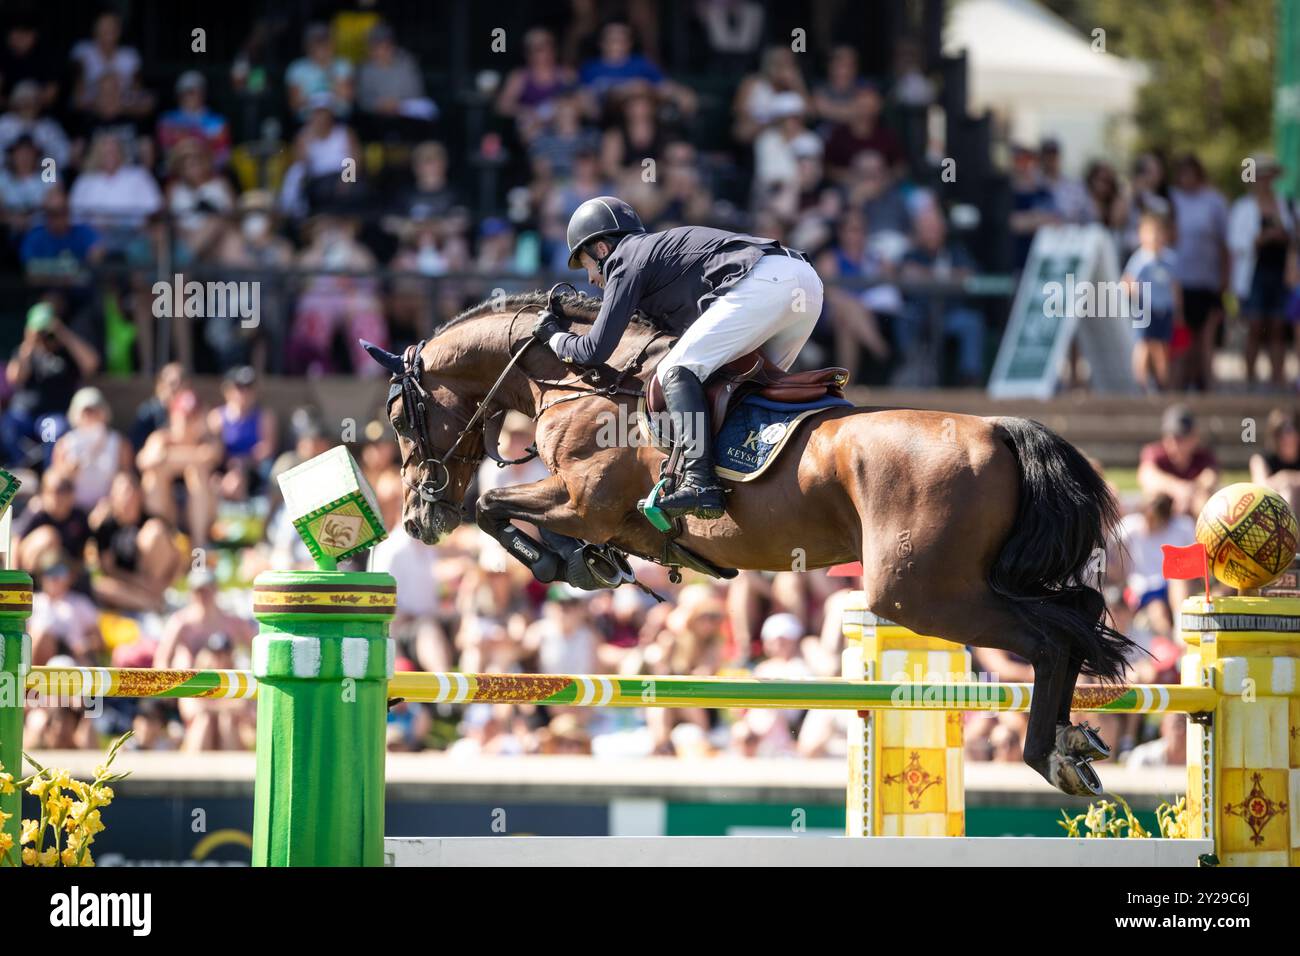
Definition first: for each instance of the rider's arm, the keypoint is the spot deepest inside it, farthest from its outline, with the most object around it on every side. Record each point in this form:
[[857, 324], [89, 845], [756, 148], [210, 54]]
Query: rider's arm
[[622, 293]]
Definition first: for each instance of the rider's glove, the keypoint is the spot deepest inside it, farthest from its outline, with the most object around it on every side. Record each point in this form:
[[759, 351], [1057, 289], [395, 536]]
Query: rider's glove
[[547, 325]]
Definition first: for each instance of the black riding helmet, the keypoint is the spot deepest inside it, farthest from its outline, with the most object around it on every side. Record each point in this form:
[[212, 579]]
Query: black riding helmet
[[601, 218]]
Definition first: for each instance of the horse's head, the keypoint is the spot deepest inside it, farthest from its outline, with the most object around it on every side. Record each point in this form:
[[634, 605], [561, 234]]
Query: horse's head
[[429, 410]]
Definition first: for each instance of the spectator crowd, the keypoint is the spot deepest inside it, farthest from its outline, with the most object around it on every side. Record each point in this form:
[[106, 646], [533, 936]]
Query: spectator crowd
[[144, 535]]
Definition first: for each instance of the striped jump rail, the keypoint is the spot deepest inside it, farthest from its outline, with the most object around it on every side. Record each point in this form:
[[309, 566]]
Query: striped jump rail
[[590, 690]]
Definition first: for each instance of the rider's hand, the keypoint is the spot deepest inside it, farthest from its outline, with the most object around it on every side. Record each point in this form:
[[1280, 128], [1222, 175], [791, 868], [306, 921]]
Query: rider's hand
[[547, 325]]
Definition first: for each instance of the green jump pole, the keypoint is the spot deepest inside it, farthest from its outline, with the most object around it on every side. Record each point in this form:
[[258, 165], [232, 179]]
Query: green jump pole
[[322, 659], [15, 659]]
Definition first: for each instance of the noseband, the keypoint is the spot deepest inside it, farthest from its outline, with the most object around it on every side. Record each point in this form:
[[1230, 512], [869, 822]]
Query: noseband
[[409, 386]]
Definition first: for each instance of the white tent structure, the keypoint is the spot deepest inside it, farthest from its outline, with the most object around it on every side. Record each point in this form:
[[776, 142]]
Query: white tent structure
[[1041, 77]]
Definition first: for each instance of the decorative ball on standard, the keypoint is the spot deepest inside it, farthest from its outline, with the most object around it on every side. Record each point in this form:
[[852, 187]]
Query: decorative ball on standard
[[1249, 533]]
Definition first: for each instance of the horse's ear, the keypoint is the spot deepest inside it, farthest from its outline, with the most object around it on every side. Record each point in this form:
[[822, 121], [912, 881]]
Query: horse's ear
[[385, 358]]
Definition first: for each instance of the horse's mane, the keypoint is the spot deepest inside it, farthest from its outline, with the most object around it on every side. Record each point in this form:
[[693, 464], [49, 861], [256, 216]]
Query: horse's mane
[[577, 307]]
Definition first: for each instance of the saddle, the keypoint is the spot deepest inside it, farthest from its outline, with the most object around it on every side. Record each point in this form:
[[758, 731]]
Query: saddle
[[753, 373]]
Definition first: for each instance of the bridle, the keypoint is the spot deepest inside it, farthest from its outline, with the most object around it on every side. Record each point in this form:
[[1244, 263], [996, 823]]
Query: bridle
[[408, 385]]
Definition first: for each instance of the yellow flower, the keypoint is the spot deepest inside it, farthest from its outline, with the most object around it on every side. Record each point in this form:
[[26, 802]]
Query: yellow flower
[[6, 783], [29, 857], [28, 832], [48, 857], [6, 844]]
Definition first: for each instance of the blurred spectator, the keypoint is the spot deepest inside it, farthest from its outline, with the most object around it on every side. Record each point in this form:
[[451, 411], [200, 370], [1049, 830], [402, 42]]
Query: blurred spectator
[[149, 727], [176, 467], [191, 628], [637, 135], [777, 152], [496, 249], [133, 555], [532, 92], [322, 148], [192, 119], [1150, 277], [911, 86], [752, 108], [873, 192], [51, 525], [1261, 228], [1167, 750], [55, 249], [936, 258], [1106, 204], [428, 248], [833, 100], [48, 367], [1139, 557], [248, 434], [112, 196], [102, 55], [851, 323], [683, 197], [1032, 205], [24, 119], [198, 198], [319, 74], [864, 131], [64, 622], [152, 413], [217, 724], [1068, 195], [390, 89], [1148, 191], [1279, 467], [564, 638], [22, 187], [1179, 465], [252, 245], [432, 194], [554, 151], [90, 451], [24, 59], [107, 115], [782, 635], [1201, 217], [619, 66], [334, 305]]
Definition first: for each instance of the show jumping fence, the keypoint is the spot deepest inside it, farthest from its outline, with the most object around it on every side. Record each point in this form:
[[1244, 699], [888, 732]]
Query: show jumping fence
[[323, 673]]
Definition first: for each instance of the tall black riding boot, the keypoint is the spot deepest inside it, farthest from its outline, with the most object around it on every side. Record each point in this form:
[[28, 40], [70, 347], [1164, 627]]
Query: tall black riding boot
[[699, 493]]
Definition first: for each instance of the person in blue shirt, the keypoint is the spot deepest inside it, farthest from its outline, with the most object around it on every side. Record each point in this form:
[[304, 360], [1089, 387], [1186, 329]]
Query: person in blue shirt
[[1150, 279], [619, 66], [55, 245]]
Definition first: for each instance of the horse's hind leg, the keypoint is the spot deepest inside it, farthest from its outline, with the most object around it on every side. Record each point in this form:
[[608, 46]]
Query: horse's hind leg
[[1079, 740], [985, 621]]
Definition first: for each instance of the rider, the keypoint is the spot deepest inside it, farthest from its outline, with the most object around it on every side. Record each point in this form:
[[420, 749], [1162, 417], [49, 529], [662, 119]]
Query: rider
[[723, 293]]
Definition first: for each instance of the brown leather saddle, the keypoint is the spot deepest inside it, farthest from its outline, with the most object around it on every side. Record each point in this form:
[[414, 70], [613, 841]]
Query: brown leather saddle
[[753, 373]]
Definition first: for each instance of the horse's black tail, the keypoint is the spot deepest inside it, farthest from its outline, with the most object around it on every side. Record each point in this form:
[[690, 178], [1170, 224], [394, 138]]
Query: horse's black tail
[[1058, 543]]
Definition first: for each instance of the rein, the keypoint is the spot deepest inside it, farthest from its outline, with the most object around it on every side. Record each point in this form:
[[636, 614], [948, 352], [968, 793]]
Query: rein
[[409, 386]]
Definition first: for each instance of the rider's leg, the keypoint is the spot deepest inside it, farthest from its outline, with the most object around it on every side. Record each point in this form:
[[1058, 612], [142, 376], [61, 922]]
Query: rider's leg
[[774, 308]]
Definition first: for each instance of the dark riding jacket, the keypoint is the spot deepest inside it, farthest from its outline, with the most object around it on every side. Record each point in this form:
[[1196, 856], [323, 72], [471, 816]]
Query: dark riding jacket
[[671, 277]]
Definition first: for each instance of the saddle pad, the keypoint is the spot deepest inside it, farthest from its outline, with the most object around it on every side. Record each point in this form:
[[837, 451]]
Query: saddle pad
[[755, 431]]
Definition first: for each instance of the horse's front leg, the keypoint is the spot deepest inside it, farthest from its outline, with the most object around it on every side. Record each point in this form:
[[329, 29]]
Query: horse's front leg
[[560, 555]]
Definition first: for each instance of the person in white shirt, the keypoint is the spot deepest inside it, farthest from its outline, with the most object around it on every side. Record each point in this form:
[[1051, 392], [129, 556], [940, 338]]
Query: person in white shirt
[[103, 53], [1140, 558], [111, 196]]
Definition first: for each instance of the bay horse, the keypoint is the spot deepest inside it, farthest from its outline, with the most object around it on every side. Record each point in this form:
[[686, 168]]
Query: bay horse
[[982, 531]]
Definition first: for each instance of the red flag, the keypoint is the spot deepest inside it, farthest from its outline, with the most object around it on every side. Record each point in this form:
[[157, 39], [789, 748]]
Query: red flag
[[1186, 564]]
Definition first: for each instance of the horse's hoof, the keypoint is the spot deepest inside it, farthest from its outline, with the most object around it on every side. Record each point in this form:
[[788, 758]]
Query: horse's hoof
[[593, 568], [1073, 775], [1082, 741]]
